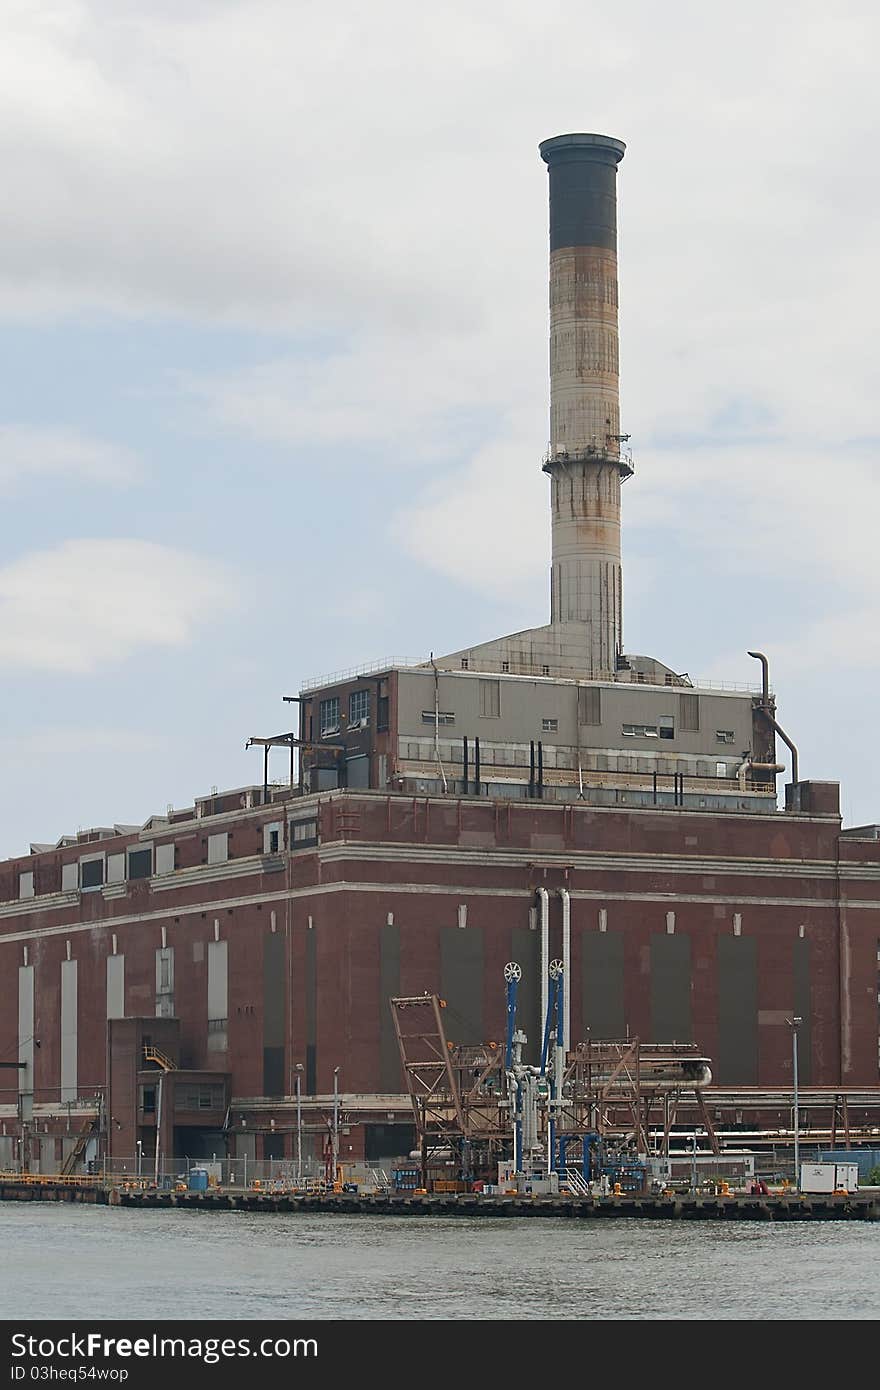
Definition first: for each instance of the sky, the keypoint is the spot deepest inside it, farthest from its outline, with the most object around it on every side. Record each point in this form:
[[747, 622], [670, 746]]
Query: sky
[[274, 387]]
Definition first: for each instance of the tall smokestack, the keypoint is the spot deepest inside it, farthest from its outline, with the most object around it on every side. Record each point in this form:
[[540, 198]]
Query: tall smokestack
[[584, 462]]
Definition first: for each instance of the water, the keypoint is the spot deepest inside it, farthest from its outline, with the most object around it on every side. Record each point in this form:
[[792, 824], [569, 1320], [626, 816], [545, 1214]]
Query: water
[[79, 1262]]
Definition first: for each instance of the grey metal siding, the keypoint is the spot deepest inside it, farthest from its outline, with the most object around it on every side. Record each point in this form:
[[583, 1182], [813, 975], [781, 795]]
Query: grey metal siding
[[603, 1013], [26, 1027], [390, 1077], [736, 1063], [311, 1011], [68, 1030], [273, 1014], [803, 1009], [670, 989], [116, 986], [461, 983]]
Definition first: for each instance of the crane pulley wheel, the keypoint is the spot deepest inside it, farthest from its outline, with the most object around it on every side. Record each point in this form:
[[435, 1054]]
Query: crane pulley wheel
[[512, 971]]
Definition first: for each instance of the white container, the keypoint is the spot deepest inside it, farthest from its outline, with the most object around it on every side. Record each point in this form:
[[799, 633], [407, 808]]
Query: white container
[[829, 1177]]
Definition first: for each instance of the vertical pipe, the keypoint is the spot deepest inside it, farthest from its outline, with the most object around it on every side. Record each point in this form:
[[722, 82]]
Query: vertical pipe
[[465, 768], [158, 1130], [540, 769], [561, 1018], [532, 768], [655, 789], [476, 767], [545, 1036], [795, 1023], [511, 1022], [544, 901], [566, 966]]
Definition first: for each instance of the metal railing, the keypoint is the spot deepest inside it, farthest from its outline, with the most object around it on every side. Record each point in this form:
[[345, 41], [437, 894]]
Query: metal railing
[[352, 672], [681, 681]]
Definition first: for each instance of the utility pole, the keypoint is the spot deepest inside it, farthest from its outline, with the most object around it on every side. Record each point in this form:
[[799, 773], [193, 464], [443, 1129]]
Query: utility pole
[[335, 1123], [299, 1131], [794, 1023]]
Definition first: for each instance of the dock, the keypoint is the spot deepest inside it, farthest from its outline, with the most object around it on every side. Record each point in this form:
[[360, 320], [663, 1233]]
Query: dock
[[789, 1206]]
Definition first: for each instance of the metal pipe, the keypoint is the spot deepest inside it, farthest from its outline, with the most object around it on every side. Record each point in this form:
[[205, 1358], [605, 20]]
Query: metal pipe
[[544, 901], [545, 1035], [540, 769], [532, 768], [335, 1125], [765, 710], [477, 766], [158, 1130], [299, 1131], [513, 975], [437, 723], [795, 1023], [765, 677], [566, 965], [787, 741], [561, 1026], [465, 766]]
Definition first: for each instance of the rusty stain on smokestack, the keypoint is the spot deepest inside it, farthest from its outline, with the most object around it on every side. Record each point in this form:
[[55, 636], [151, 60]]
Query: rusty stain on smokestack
[[584, 461]]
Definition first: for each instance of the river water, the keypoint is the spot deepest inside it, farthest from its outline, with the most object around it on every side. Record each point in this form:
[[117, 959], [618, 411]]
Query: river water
[[83, 1262]]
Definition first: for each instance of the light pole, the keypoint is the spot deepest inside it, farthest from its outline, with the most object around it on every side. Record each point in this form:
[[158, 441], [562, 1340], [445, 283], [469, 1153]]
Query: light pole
[[140, 1148], [335, 1122], [794, 1023], [299, 1125]]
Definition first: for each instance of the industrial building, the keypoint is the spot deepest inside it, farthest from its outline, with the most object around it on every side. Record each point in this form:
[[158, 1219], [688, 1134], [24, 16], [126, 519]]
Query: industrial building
[[217, 981]]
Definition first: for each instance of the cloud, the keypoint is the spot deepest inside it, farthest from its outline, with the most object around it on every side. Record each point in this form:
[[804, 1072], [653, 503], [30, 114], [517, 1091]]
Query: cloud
[[91, 603], [68, 740], [28, 452], [417, 398]]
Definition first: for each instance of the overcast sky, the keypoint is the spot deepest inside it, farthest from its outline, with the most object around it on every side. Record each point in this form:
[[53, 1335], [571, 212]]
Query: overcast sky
[[273, 324]]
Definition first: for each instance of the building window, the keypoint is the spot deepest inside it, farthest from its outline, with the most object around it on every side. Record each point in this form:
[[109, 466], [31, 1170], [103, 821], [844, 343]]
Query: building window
[[640, 730], [165, 855], [666, 726], [721, 769], [304, 832], [589, 704], [724, 735], [490, 699], [689, 713], [505, 665], [545, 670], [330, 716], [26, 884], [91, 873], [148, 1100], [550, 726], [464, 663], [358, 706], [198, 1098], [218, 848], [382, 714], [140, 863], [443, 717]]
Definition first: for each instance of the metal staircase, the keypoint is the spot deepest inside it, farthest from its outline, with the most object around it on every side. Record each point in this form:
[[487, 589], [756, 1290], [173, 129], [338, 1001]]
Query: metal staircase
[[159, 1059], [89, 1128]]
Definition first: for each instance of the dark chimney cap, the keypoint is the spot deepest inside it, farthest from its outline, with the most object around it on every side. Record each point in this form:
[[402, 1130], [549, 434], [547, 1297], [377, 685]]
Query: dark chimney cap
[[602, 149]]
